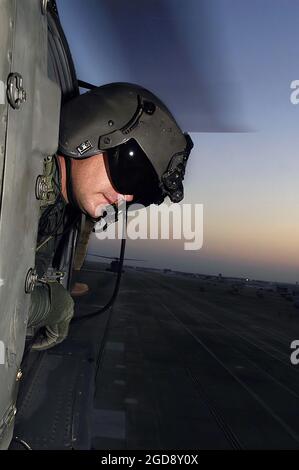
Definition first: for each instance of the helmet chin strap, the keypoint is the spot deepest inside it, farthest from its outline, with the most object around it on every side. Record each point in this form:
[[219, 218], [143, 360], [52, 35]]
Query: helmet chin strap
[[69, 186]]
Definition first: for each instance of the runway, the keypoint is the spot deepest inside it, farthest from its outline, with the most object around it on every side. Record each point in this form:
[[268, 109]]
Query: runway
[[178, 363], [206, 370]]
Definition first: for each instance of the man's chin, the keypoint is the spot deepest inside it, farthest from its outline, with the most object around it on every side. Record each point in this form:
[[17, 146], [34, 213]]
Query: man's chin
[[98, 211]]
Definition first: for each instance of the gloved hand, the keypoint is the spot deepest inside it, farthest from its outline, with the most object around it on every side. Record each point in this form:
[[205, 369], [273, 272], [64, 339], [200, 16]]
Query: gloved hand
[[52, 309]]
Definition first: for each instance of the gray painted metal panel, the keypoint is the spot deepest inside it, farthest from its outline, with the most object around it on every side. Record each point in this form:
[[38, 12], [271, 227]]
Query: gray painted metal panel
[[56, 404], [32, 133], [7, 9]]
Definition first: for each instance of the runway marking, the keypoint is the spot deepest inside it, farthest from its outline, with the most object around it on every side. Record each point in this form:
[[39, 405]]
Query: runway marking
[[131, 401], [232, 330], [272, 413], [115, 346], [119, 382], [251, 343]]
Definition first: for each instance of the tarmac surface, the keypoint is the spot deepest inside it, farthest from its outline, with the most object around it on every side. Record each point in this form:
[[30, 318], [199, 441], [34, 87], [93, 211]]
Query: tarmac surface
[[178, 363]]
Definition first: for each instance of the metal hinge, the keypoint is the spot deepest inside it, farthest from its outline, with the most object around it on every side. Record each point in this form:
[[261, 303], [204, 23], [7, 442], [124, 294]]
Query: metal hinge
[[31, 280], [44, 187], [52, 275], [16, 94]]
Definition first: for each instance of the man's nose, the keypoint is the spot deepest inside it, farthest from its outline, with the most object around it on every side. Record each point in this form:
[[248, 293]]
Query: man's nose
[[123, 197]]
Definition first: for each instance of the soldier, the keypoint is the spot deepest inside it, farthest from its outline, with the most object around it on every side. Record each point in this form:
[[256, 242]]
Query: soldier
[[116, 141]]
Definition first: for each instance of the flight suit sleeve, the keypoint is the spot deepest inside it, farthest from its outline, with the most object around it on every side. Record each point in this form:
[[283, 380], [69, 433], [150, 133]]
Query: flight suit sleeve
[[44, 258]]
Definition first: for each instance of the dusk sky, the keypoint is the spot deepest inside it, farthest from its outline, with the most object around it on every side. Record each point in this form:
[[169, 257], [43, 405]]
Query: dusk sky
[[221, 66]]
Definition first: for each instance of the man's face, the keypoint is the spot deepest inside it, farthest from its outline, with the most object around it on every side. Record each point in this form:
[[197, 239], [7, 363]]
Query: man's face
[[92, 187]]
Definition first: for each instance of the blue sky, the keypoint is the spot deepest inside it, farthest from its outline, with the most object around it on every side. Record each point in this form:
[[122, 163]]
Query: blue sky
[[221, 65]]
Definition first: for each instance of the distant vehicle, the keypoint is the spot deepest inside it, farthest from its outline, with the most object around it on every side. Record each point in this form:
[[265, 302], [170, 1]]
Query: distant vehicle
[[114, 265]]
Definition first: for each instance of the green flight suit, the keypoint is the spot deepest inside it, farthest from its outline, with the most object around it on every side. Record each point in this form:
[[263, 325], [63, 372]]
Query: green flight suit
[[52, 307]]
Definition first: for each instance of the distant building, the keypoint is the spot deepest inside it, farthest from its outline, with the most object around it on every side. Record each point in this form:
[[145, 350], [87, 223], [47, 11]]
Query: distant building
[[295, 290], [281, 289]]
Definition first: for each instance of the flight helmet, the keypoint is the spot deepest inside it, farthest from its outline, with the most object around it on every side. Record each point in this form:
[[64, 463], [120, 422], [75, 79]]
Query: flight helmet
[[145, 150]]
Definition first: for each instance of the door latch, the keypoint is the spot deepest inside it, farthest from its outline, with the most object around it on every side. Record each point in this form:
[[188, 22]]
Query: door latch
[[16, 94]]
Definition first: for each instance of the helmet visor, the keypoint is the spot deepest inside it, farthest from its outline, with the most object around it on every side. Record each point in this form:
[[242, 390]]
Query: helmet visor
[[131, 172]]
